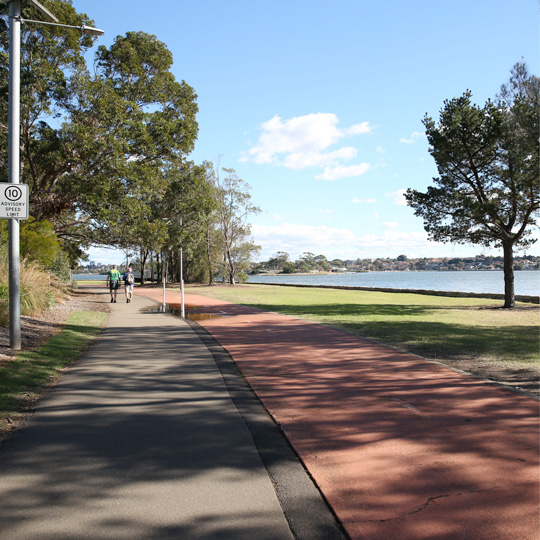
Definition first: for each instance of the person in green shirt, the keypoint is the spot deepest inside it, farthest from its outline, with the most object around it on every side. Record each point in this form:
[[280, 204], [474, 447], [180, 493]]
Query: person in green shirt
[[113, 282]]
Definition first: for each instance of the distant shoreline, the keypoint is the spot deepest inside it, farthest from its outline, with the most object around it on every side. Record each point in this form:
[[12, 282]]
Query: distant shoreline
[[330, 273], [456, 294], [527, 283]]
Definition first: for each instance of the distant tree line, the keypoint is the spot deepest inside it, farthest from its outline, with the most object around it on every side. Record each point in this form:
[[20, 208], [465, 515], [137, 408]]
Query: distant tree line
[[281, 263]]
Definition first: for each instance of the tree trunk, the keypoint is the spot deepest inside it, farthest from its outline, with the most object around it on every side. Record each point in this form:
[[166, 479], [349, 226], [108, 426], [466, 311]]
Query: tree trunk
[[209, 258], [231, 268], [509, 299], [164, 267], [144, 255]]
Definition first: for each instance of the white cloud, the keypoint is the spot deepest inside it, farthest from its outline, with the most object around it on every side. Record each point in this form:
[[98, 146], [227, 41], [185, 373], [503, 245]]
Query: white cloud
[[302, 142], [359, 129], [394, 242], [318, 159], [356, 200], [344, 243], [398, 196], [295, 239], [324, 211], [336, 173], [301, 134], [390, 225], [415, 135]]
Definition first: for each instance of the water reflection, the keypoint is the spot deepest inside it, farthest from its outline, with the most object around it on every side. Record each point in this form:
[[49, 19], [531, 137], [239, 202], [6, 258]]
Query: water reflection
[[192, 312]]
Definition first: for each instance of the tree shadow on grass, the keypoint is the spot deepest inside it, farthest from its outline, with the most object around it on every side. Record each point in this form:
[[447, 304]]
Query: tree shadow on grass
[[400, 325]]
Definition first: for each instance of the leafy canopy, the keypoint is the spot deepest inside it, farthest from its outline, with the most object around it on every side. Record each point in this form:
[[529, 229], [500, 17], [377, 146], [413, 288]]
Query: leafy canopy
[[487, 157], [94, 146]]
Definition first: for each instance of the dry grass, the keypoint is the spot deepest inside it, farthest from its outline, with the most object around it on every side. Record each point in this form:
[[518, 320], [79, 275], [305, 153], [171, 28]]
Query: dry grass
[[39, 290]]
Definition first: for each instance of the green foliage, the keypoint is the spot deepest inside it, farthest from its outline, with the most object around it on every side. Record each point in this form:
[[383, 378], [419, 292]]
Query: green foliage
[[123, 126], [38, 241], [60, 267], [278, 261], [487, 157], [112, 171], [231, 218], [48, 55], [195, 265], [4, 303], [288, 268], [308, 262], [463, 206], [130, 126]]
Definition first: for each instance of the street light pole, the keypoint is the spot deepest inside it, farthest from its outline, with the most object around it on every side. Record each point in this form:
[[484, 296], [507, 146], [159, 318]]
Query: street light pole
[[183, 305], [14, 150], [14, 170]]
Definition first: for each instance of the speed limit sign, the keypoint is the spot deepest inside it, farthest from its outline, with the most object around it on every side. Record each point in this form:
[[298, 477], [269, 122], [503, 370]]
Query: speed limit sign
[[14, 201]]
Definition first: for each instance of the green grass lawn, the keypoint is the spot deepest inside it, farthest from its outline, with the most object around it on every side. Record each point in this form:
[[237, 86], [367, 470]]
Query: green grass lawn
[[24, 378], [437, 327]]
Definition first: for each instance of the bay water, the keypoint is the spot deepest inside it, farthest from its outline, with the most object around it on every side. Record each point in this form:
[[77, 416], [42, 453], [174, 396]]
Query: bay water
[[527, 282]]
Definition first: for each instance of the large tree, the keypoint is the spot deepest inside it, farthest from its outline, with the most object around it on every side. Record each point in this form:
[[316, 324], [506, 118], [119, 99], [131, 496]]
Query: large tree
[[96, 147], [48, 56], [233, 213], [188, 202], [488, 191]]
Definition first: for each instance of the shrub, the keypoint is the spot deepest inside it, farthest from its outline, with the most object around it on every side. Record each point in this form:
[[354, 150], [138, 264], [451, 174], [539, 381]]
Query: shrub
[[39, 289]]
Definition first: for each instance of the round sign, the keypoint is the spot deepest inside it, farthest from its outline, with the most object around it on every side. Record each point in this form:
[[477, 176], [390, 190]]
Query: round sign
[[13, 193]]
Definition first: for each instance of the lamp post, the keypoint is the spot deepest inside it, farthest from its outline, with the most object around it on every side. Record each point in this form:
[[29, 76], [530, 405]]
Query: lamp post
[[14, 172], [183, 305]]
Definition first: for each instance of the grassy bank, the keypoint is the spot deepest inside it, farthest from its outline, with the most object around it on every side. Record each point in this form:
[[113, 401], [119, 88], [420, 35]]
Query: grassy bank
[[473, 334], [24, 378]]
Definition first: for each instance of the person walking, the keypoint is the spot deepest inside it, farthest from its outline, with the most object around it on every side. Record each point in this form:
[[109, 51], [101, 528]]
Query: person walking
[[113, 282], [129, 280]]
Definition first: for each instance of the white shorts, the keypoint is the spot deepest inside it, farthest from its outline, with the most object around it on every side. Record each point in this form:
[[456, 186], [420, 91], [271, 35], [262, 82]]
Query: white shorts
[[129, 288]]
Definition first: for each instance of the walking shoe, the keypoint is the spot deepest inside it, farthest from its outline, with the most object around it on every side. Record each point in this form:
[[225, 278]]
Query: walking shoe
[[127, 300], [115, 300], [112, 300]]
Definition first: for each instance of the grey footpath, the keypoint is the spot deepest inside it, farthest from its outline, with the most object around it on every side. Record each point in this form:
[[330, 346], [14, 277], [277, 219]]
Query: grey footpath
[[154, 434]]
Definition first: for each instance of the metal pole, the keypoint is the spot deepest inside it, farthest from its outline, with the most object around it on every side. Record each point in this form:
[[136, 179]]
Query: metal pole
[[14, 170], [164, 304], [183, 312]]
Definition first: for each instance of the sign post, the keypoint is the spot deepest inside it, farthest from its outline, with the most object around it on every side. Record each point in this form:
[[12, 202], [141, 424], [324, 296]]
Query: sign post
[[14, 206], [14, 171]]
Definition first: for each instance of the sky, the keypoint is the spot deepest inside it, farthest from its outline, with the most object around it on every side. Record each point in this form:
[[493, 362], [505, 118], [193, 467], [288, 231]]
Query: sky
[[318, 105]]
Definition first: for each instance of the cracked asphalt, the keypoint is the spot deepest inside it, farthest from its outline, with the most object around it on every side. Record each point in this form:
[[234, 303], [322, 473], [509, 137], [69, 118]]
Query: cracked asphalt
[[401, 448]]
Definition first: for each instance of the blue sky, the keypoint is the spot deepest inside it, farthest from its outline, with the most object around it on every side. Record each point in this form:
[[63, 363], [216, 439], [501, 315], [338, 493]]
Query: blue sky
[[318, 104]]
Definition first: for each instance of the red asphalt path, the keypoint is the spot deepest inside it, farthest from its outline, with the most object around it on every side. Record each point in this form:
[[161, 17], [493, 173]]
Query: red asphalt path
[[402, 448]]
